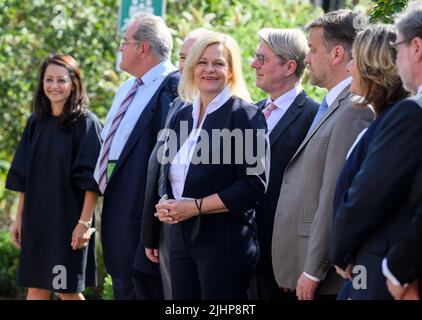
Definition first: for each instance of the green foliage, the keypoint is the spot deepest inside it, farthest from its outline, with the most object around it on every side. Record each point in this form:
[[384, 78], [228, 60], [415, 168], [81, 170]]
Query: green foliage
[[107, 293], [384, 10], [9, 259]]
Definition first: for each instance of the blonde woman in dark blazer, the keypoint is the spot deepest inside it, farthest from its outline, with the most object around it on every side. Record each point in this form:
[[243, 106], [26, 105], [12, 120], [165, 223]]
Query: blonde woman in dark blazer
[[212, 238]]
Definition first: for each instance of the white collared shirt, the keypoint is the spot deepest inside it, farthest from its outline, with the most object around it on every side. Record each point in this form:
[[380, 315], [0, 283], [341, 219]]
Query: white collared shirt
[[151, 81], [420, 89], [387, 273], [334, 92], [180, 164], [283, 103]]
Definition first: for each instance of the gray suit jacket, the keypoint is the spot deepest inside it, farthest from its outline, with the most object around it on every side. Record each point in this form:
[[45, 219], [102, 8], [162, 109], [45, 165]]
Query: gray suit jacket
[[303, 218]]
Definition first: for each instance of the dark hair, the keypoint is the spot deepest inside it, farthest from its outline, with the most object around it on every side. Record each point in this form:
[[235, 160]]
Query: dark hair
[[375, 60], [77, 103], [340, 27]]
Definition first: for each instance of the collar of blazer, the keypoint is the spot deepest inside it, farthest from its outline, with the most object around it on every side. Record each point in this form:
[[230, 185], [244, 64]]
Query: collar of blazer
[[289, 116], [330, 111], [291, 113]]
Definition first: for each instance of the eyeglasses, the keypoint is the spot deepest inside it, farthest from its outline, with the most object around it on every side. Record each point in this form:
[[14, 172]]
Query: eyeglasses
[[396, 44], [261, 58], [123, 42]]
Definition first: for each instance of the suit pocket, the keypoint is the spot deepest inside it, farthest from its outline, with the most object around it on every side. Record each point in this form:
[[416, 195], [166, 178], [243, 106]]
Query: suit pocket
[[304, 229]]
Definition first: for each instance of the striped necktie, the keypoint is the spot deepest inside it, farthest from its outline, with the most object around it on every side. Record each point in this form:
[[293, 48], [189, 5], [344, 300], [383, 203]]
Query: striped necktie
[[114, 125]]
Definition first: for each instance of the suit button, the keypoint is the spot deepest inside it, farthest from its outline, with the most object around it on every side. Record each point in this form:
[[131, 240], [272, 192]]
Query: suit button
[[327, 265]]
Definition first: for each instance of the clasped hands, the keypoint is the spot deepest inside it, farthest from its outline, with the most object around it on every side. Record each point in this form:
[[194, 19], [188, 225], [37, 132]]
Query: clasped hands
[[174, 211]]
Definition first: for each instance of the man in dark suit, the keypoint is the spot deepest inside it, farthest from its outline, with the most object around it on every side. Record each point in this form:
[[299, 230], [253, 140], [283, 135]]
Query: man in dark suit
[[403, 264], [405, 261], [138, 113], [153, 235], [385, 195], [279, 65]]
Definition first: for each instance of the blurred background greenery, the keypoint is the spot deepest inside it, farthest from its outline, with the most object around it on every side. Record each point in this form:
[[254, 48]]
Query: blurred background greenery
[[29, 33]]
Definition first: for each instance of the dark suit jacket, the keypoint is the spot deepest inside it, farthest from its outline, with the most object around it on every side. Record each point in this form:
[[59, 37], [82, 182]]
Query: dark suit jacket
[[151, 225], [285, 138], [405, 258], [379, 204], [239, 191], [122, 206]]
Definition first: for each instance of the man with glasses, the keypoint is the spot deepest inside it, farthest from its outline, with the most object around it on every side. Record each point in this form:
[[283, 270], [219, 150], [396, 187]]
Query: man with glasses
[[279, 66], [404, 261], [303, 218], [139, 110]]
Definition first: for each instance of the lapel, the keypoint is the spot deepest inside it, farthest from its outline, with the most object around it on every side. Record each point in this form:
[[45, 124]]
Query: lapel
[[291, 114], [336, 104], [180, 141], [261, 104], [140, 126]]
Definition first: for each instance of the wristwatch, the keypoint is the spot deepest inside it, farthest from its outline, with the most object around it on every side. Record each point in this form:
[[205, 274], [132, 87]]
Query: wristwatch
[[87, 224]]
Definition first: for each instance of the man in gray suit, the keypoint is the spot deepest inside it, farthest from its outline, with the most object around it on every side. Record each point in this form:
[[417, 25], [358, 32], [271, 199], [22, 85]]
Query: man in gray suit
[[152, 235], [302, 225]]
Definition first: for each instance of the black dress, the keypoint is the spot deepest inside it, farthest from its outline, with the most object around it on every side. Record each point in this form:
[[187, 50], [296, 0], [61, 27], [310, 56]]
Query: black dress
[[54, 168]]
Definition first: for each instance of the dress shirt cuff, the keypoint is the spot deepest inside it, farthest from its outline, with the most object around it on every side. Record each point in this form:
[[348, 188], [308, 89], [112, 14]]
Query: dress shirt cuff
[[387, 273], [312, 277]]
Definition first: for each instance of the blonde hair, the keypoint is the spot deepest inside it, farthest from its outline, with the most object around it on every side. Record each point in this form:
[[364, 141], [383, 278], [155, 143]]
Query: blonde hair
[[375, 61], [237, 86]]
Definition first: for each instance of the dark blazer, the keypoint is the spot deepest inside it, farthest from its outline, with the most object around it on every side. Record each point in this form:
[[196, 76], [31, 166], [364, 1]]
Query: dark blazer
[[123, 197], [404, 260], [226, 242], [378, 206], [240, 196], [150, 233], [350, 169], [285, 138]]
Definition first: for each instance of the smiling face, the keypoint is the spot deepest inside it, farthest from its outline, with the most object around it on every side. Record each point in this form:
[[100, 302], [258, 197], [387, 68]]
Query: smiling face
[[57, 84], [211, 74]]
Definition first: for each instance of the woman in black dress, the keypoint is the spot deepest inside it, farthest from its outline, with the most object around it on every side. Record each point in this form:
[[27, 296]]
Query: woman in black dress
[[53, 172]]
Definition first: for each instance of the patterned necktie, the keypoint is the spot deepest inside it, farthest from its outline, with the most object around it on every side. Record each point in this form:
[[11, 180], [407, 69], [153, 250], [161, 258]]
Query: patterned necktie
[[321, 110], [114, 125], [268, 109]]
